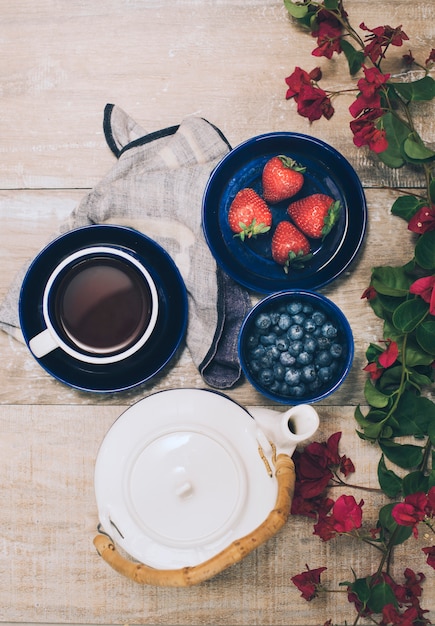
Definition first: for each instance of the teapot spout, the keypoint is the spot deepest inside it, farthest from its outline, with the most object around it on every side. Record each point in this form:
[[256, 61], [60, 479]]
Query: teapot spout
[[285, 430]]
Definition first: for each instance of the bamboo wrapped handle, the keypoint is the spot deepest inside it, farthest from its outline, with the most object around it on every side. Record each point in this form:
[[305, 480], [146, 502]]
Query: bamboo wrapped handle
[[235, 552]]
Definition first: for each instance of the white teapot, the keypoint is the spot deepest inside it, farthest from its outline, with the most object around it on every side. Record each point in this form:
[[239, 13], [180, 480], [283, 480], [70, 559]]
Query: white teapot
[[188, 482]]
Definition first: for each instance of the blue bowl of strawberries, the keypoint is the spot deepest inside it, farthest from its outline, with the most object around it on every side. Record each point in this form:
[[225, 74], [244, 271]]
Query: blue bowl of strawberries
[[295, 347], [284, 211]]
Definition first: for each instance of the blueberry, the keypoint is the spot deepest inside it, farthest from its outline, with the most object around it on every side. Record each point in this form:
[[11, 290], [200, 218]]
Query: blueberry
[[323, 342], [318, 317], [329, 330], [274, 316], [323, 358], [309, 325], [297, 391], [308, 374], [284, 321], [308, 308], [315, 385], [275, 386], [310, 344], [279, 371], [294, 307], [304, 358], [268, 340], [266, 377], [257, 352], [295, 332], [263, 321], [287, 359], [282, 343], [266, 361], [325, 374], [284, 389], [295, 348], [336, 350], [292, 376], [273, 352], [299, 319], [254, 366]]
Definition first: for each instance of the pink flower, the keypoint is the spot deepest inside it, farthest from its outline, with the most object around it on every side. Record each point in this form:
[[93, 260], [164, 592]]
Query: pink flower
[[328, 40], [424, 287], [423, 221], [308, 582]]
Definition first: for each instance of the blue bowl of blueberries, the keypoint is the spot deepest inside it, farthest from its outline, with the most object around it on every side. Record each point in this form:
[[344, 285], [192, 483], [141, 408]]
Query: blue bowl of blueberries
[[296, 347]]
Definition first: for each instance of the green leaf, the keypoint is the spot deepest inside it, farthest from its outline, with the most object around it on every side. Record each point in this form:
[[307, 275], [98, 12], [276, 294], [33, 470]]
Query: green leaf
[[431, 433], [403, 455], [425, 250], [414, 355], [414, 414], [416, 151], [375, 397], [418, 90], [425, 335], [399, 534], [355, 58], [389, 482], [396, 133], [409, 314], [296, 10], [414, 482], [432, 190], [405, 207], [381, 595], [391, 281], [361, 588]]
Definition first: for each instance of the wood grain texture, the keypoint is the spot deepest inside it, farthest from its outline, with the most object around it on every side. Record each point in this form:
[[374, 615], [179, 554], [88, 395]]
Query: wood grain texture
[[161, 61]]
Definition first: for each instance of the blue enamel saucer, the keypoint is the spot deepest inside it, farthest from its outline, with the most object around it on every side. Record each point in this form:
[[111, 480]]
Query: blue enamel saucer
[[170, 327]]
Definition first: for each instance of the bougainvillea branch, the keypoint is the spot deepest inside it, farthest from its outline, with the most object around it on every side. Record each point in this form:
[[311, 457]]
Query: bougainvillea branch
[[400, 365]]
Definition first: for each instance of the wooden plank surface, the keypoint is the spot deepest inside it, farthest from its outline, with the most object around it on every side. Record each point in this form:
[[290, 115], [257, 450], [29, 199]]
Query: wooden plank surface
[[161, 61]]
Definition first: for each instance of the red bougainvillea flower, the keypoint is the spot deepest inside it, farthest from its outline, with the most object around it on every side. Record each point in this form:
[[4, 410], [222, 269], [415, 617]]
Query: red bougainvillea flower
[[423, 221], [347, 514], [390, 354], [301, 77], [369, 86], [431, 501], [328, 34], [314, 467], [411, 511], [424, 287], [390, 615], [379, 40], [373, 370], [369, 293], [314, 103], [366, 133], [408, 58], [308, 582], [430, 551]]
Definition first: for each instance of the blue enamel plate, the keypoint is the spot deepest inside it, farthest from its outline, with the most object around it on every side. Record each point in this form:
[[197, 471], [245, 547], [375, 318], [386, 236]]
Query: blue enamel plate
[[171, 323], [250, 262]]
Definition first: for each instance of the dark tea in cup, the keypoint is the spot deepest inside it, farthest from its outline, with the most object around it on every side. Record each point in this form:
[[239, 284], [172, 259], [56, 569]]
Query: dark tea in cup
[[100, 305]]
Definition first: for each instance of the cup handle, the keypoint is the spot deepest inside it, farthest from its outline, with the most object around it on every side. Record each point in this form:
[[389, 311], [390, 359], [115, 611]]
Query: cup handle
[[43, 343]]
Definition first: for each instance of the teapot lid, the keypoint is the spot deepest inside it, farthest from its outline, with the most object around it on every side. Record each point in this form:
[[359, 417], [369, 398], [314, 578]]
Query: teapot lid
[[180, 476]]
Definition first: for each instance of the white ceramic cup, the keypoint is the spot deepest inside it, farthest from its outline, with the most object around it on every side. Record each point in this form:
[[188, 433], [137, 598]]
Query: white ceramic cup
[[100, 305]]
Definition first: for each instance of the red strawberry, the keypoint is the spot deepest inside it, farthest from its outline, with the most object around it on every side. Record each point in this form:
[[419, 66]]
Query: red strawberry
[[315, 215], [289, 246], [249, 215], [282, 178]]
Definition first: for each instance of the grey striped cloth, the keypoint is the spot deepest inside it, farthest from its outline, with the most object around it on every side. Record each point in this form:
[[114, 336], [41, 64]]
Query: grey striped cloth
[[156, 186]]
